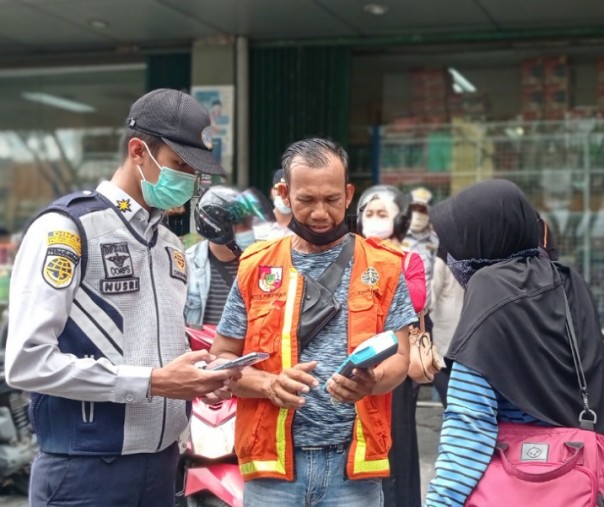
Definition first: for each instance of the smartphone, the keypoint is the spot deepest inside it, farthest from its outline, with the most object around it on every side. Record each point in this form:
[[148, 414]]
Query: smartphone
[[247, 360]]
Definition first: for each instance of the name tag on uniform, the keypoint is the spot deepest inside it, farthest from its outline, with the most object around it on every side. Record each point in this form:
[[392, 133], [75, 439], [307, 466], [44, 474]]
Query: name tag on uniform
[[119, 271]]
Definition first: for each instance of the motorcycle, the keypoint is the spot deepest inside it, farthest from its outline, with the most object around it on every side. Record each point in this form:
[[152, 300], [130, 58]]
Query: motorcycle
[[212, 476], [18, 444]]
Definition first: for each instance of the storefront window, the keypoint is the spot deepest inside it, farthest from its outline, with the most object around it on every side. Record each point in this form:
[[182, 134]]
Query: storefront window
[[59, 131], [446, 120]]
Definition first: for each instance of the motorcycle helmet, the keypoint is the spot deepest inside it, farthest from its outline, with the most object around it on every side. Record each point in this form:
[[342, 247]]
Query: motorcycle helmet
[[220, 207], [393, 194], [258, 205]]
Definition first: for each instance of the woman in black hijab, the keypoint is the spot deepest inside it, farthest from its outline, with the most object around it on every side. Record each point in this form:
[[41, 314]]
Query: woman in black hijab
[[511, 357]]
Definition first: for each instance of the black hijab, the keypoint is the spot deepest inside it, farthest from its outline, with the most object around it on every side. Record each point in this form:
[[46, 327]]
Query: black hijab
[[512, 326]]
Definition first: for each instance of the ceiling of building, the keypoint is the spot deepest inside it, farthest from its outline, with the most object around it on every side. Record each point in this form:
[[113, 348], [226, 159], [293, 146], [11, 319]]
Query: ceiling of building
[[36, 33], [34, 27]]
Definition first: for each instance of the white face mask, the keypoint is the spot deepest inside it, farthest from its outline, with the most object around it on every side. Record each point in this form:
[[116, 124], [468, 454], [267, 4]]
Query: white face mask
[[419, 221], [280, 205], [378, 228], [244, 239]]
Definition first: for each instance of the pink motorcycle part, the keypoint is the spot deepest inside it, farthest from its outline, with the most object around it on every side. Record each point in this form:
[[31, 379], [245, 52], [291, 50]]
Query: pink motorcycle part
[[222, 480], [201, 339], [215, 415]]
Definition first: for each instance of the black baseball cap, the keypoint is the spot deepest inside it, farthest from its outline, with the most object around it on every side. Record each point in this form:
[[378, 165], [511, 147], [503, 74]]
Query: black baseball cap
[[278, 177], [179, 121]]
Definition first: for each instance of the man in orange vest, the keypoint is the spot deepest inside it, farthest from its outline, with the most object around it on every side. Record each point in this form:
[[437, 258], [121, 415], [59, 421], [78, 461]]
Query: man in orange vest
[[298, 443]]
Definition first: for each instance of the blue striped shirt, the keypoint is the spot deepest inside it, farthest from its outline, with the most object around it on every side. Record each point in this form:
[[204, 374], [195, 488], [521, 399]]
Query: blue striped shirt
[[468, 436]]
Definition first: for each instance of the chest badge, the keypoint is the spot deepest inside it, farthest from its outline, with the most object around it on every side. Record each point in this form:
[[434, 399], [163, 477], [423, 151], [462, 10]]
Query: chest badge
[[270, 278], [123, 205], [119, 271], [370, 277], [178, 264]]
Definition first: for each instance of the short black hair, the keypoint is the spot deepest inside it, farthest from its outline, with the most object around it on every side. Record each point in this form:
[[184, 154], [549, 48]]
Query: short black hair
[[315, 152], [153, 142]]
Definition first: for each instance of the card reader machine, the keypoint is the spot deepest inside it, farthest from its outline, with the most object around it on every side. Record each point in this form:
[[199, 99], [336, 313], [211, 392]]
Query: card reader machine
[[369, 353]]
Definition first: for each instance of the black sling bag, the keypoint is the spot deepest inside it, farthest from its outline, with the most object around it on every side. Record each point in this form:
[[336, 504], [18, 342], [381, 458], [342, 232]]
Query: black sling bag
[[319, 305]]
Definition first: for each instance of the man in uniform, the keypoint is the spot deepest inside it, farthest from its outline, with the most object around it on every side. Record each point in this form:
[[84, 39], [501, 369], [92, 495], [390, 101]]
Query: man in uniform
[[96, 327]]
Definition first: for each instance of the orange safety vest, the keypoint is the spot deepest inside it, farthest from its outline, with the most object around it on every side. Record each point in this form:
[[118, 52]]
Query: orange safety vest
[[272, 290]]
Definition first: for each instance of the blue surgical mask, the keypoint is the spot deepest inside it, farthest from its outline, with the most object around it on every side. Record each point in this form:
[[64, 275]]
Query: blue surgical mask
[[172, 189], [244, 239], [280, 205]]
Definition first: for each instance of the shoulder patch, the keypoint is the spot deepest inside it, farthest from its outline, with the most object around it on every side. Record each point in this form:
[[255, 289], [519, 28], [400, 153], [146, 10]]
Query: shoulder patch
[[178, 263], [67, 238], [59, 267]]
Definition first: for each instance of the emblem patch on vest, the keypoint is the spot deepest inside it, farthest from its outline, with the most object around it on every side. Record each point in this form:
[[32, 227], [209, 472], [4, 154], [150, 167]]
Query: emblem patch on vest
[[178, 264], [269, 278], [370, 277], [119, 273], [59, 267]]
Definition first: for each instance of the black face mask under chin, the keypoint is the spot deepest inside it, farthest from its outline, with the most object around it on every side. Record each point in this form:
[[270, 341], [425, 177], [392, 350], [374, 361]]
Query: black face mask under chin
[[318, 239]]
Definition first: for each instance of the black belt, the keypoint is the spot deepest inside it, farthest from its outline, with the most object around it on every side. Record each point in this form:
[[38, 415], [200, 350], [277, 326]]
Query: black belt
[[331, 447]]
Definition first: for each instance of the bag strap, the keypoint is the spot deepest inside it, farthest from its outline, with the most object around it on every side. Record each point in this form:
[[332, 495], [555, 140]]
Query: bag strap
[[422, 321], [576, 458], [332, 276], [587, 423]]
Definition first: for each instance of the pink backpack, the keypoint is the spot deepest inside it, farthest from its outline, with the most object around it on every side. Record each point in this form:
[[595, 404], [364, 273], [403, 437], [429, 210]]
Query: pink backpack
[[537, 466]]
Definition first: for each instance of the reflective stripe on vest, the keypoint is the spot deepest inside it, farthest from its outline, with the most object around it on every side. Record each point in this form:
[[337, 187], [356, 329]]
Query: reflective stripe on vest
[[286, 362], [360, 464]]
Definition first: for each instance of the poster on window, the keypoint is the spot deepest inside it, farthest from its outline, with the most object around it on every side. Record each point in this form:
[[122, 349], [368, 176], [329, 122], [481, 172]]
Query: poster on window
[[219, 101]]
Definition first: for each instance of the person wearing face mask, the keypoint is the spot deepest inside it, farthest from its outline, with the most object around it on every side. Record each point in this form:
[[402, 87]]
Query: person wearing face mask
[[384, 212], [421, 238], [510, 354], [282, 213], [304, 434], [223, 217], [96, 319]]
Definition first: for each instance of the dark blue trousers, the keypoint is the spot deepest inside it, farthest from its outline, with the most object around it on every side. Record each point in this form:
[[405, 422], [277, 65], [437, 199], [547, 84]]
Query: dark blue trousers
[[138, 480]]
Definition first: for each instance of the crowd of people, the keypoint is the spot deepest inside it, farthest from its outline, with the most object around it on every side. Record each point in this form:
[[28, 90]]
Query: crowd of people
[[102, 290]]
